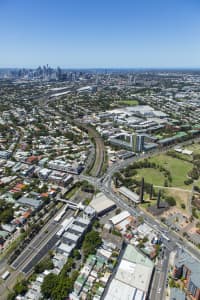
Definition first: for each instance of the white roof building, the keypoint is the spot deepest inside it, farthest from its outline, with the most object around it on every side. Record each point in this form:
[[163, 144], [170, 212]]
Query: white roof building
[[120, 217]]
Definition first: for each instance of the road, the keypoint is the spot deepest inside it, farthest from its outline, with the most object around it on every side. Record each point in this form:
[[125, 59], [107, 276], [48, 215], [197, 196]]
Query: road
[[160, 273]]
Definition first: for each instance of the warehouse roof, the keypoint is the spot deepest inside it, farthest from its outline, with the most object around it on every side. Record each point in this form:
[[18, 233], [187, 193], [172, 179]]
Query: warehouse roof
[[119, 290], [135, 275], [101, 203]]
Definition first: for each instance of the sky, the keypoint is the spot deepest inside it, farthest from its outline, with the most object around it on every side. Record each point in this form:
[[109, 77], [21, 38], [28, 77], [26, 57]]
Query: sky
[[100, 33]]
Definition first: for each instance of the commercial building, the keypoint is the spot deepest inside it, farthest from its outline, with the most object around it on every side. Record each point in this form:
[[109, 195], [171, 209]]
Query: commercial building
[[132, 278]]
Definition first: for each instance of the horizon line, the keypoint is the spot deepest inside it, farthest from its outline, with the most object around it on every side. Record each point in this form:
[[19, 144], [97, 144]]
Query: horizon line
[[104, 68]]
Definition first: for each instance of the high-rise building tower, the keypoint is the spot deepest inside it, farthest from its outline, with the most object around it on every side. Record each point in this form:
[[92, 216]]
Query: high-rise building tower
[[138, 142]]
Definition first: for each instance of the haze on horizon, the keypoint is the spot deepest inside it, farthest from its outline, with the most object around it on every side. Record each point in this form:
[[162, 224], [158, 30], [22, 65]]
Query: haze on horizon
[[99, 34]]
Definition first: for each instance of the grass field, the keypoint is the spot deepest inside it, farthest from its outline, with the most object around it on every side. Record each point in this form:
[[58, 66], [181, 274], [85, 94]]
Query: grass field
[[180, 196], [153, 176], [185, 156], [128, 102], [178, 169]]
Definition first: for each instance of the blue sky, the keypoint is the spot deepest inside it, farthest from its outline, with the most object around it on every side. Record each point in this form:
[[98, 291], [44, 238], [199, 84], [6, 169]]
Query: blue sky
[[100, 33]]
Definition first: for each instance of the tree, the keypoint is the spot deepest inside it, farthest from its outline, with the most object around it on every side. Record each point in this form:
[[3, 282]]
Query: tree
[[170, 200], [62, 289], [182, 205], [118, 210], [76, 254], [166, 183], [11, 296], [194, 213], [91, 242], [21, 287], [7, 215], [45, 264], [48, 285], [141, 219]]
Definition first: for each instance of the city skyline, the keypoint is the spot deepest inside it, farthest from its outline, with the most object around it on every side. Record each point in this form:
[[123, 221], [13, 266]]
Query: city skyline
[[88, 35]]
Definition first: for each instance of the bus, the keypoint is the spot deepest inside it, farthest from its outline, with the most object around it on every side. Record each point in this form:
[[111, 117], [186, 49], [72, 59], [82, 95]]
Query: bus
[[5, 275], [165, 237]]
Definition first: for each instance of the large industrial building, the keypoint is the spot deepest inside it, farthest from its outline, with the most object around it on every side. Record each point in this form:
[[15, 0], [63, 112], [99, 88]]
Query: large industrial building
[[132, 278]]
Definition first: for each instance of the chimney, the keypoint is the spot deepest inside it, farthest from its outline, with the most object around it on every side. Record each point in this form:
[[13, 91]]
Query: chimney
[[151, 192], [142, 191], [158, 199]]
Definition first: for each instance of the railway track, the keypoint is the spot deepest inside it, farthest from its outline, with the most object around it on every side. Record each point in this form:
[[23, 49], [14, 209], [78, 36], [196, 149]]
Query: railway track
[[96, 168]]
